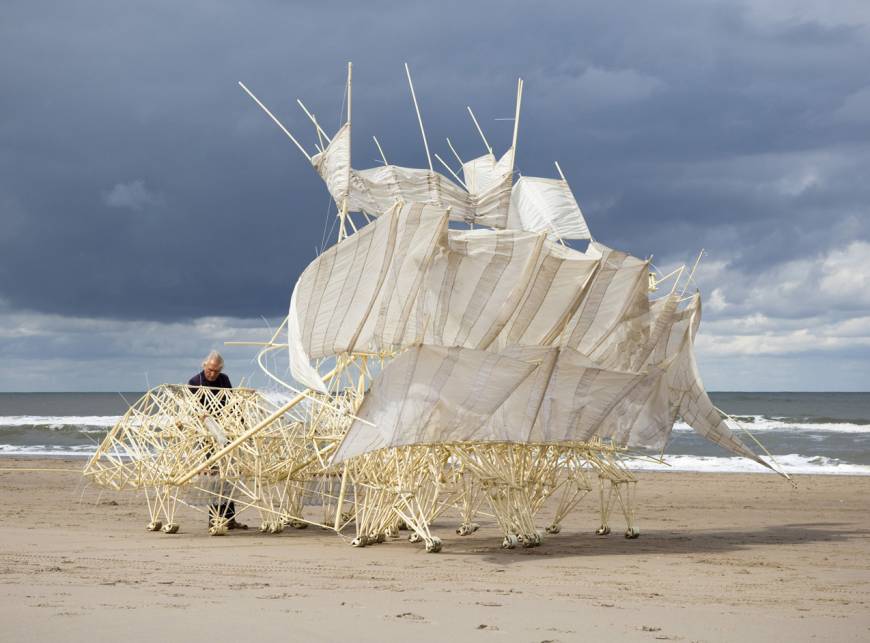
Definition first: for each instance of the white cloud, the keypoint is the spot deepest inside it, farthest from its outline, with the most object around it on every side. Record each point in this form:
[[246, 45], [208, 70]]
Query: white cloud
[[44, 352], [812, 307], [777, 342], [132, 196]]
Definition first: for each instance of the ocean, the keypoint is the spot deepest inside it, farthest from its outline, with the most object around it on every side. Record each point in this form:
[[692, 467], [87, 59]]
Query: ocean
[[805, 432]]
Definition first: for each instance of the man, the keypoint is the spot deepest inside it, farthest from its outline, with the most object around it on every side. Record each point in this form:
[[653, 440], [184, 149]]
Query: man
[[212, 378], [211, 375]]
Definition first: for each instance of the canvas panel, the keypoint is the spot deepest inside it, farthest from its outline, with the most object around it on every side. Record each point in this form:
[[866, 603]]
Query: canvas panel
[[558, 284], [333, 164], [475, 284], [546, 205]]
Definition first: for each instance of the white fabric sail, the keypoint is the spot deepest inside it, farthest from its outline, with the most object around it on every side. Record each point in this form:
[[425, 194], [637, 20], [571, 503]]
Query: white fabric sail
[[436, 395], [559, 281], [333, 164], [363, 292], [617, 290], [485, 172], [375, 190], [546, 205], [690, 399], [475, 284], [502, 335]]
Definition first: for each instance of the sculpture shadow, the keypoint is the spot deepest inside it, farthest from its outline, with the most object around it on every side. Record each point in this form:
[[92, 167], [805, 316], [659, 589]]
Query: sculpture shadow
[[657, 542]]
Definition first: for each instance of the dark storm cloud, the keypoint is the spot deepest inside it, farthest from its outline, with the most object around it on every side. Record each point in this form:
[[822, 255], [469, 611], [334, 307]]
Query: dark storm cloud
[[138, 182]]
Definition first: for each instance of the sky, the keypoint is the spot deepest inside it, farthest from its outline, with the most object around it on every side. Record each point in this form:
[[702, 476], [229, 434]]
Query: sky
[[149, 211]]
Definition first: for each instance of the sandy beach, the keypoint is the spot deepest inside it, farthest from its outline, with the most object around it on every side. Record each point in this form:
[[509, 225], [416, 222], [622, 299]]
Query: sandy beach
[[722, 557]]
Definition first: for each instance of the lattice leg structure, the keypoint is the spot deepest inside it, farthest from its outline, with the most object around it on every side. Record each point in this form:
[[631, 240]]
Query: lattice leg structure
[[400, 487], [572, 486], [617, 485], [469, 498], [513, 477], [162, 503]]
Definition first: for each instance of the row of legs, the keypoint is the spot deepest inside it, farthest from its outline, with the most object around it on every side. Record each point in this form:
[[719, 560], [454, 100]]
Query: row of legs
[[379, 513]]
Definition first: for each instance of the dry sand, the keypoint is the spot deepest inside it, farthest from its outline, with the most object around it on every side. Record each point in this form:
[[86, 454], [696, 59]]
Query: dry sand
[[722, 557]]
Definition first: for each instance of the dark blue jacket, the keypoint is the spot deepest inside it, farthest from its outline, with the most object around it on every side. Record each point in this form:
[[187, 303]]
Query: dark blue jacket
[[222, 381]]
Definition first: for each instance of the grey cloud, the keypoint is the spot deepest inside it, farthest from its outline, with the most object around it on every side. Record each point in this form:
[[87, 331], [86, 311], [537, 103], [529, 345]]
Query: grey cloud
[[736, 127], [132, 195]]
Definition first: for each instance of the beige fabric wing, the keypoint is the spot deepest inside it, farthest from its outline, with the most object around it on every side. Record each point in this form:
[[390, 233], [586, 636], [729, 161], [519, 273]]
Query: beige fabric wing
[[375, 190], [362, 293], [546, 205], [689, 398], [475, 284], [559, 280], [437, 395], [617, 289], [333, 164], [484, 172], [431, 395]]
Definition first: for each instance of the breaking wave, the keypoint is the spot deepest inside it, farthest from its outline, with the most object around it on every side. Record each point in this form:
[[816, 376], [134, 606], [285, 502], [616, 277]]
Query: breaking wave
[[761, 423], [60, 422], [792, 463]]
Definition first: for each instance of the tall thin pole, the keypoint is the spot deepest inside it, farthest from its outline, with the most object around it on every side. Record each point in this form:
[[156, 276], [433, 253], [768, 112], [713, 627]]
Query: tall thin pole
[[274, 118], [516, 123], [419, 118], [380, 149], [313, 120], [479, 130], [454, 152], [450, 169], [692, 274], [342, 215]]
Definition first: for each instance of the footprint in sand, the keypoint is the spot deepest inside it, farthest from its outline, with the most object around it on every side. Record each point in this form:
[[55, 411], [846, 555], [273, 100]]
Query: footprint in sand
[[410, 616]]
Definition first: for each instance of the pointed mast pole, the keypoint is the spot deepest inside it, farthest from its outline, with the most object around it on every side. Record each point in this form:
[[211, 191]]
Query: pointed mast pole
[[450, 169], [454, 153], [314, 120], [342, 215], [274, 118], [380, 149], [516, 123], [479, 130], [419, 118]]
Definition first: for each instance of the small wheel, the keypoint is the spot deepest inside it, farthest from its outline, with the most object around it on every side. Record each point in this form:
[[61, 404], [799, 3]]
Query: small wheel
[[217, 530], [603, 530], [154, 525], [510, 541], [298, 524], [433, 546], [377, 538], [462, 530], [277, 527], [359, 541], [553, 529], [414, 537], [632, 532], [392, 532], [170, 528]]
